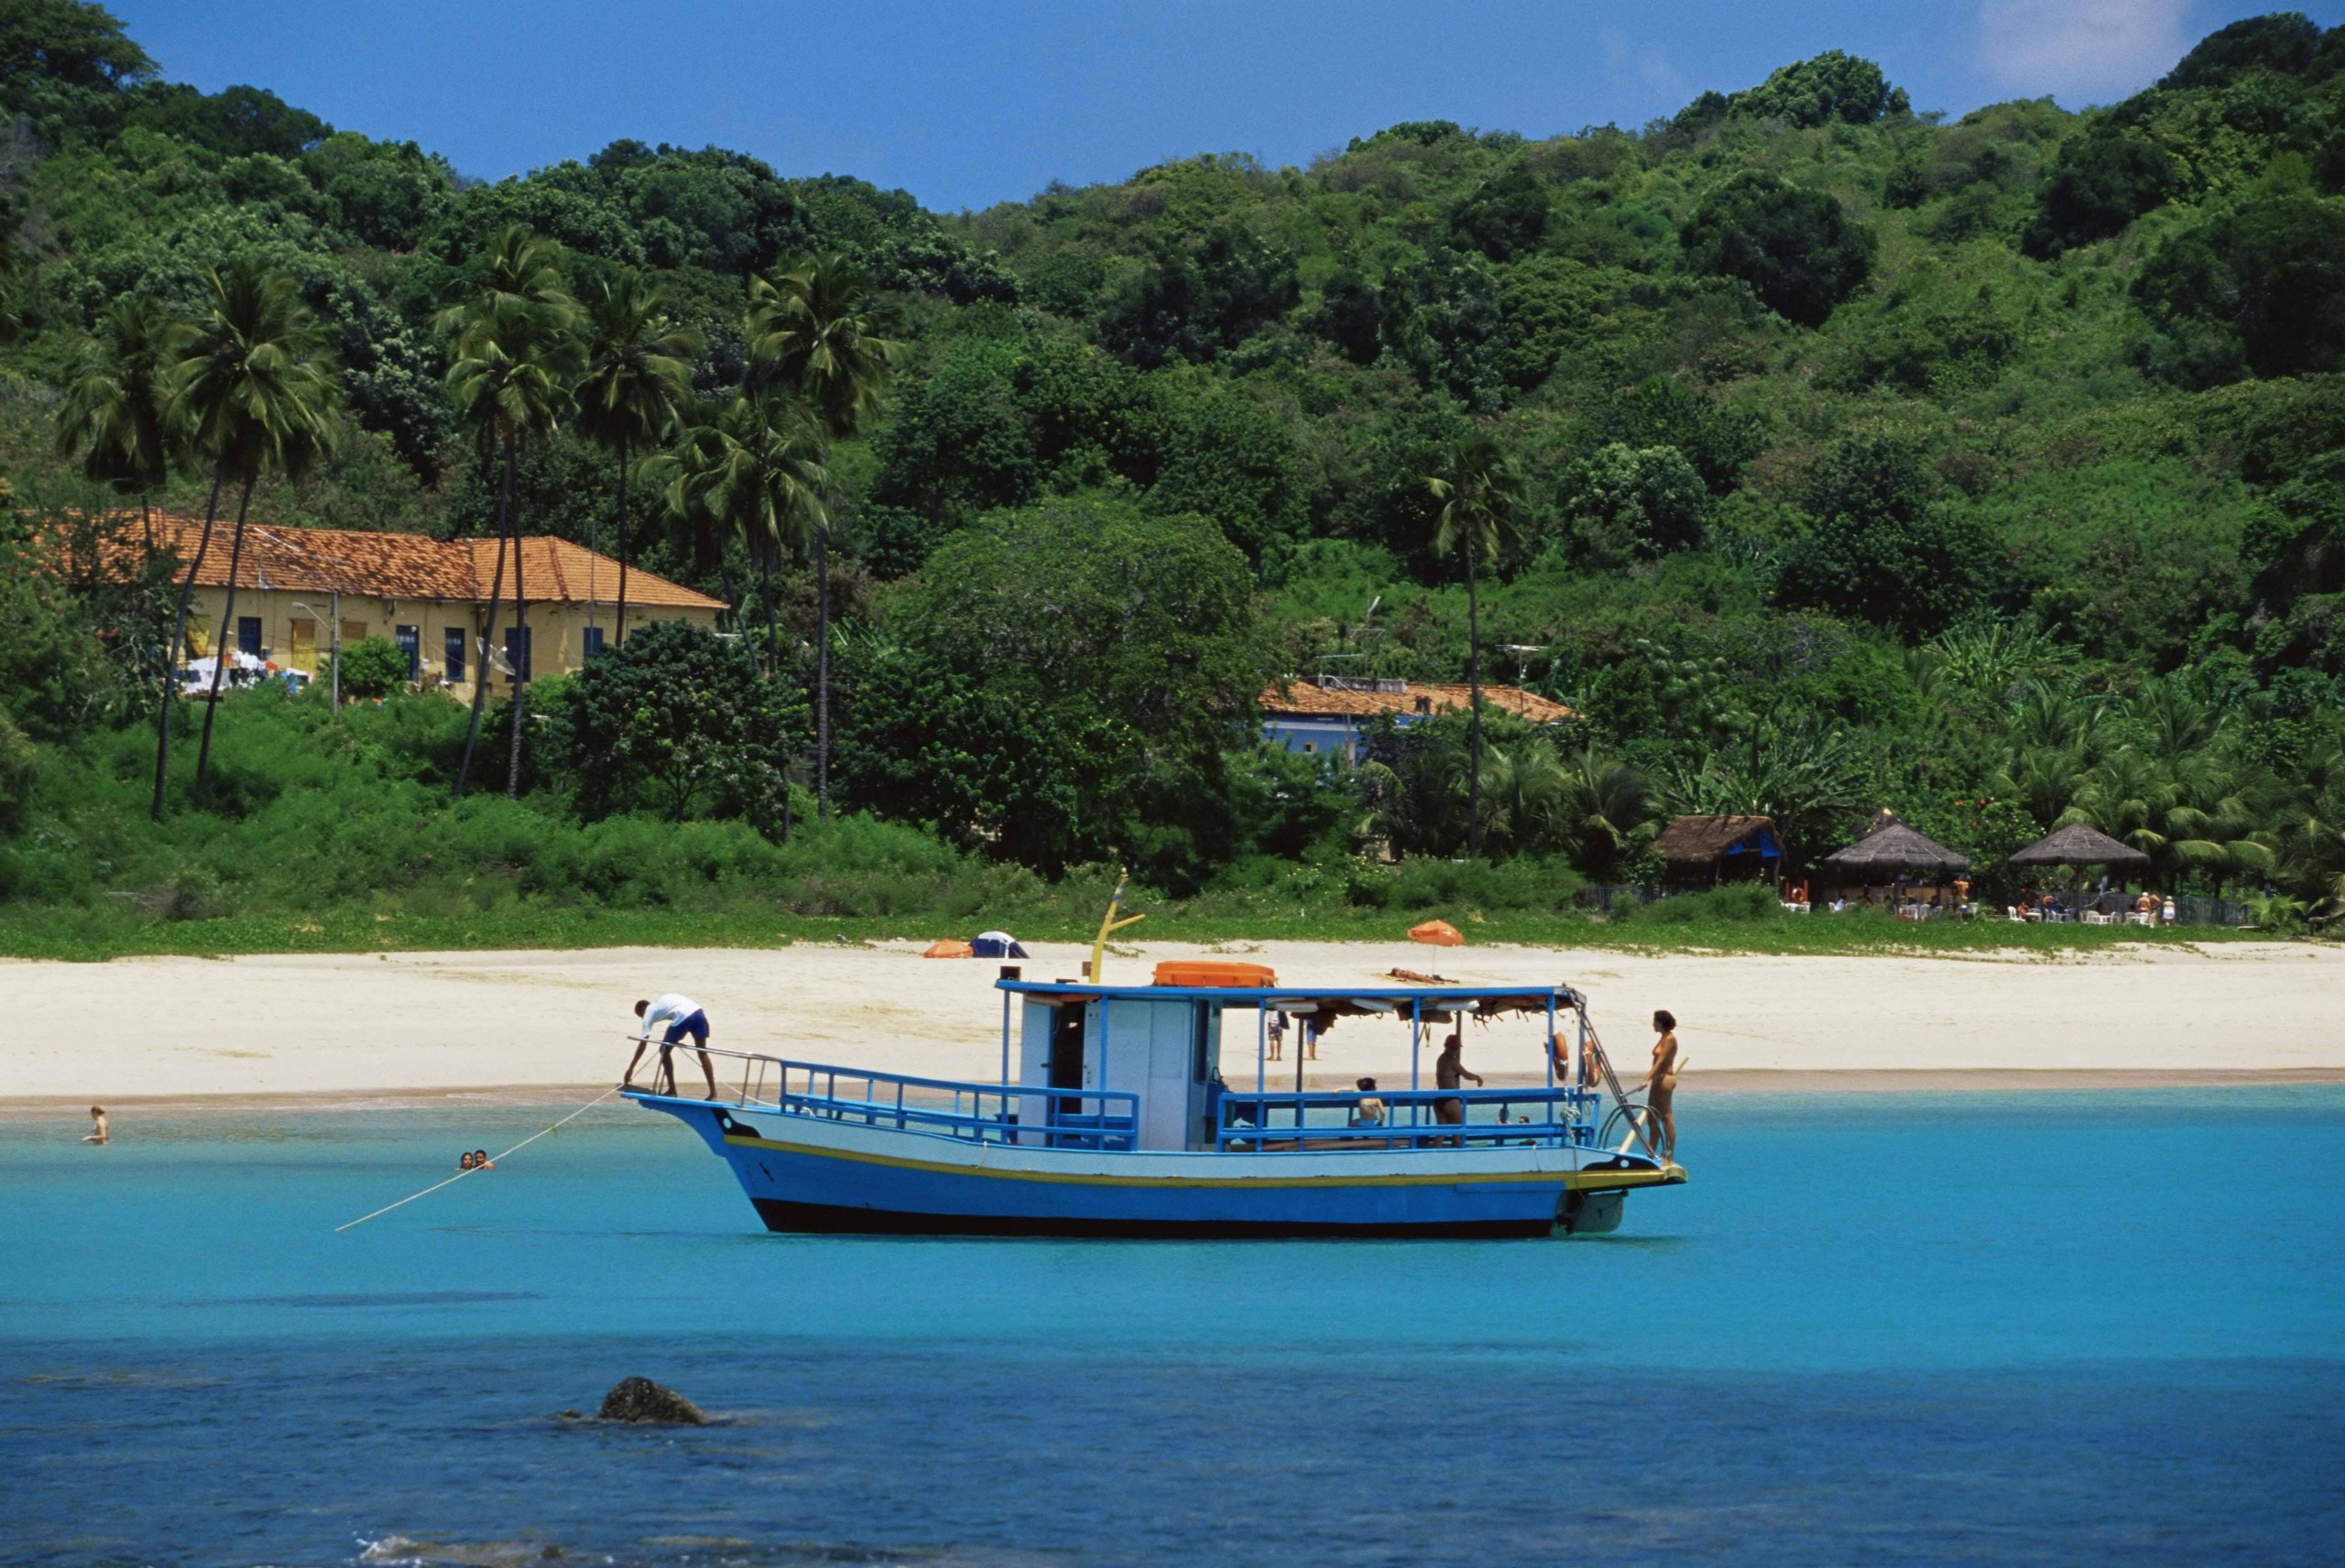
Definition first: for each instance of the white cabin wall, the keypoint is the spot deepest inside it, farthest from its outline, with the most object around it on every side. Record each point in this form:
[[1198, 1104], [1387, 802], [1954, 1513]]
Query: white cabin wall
[[1033, 1068], [1164, 1115], [1148, 1053]]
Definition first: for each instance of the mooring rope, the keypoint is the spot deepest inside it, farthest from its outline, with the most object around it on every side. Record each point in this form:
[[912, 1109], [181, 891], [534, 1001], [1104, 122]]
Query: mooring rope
[[460, 1175]]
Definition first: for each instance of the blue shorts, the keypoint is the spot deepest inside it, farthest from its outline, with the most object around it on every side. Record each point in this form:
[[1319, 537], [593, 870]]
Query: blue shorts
[[695, 1026]]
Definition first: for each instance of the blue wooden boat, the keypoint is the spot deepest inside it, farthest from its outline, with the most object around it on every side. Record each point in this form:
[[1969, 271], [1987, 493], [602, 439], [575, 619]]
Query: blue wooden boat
[[1113, 1117]]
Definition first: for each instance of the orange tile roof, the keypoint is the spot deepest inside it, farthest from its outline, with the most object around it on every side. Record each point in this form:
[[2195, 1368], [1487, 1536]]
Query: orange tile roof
[[1305, 697], [554, 568], [407, 566]]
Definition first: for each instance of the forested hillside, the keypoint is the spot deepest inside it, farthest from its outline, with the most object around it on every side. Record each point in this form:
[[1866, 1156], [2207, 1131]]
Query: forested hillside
[[1989, 468]]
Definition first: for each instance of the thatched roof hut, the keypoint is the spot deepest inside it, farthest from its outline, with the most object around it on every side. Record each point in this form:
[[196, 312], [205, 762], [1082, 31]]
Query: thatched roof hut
[[1706, 851], [2081, 844], [1888, 847]]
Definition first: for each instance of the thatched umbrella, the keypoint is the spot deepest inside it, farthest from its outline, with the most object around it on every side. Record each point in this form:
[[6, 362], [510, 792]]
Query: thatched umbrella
[[1890, 846], [2081, 845]]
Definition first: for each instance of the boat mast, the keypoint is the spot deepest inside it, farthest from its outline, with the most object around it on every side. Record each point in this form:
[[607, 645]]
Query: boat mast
[[1109, 924]]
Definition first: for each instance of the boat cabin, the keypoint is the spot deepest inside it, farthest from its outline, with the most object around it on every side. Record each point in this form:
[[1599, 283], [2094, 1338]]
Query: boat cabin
[[1150, 1068]]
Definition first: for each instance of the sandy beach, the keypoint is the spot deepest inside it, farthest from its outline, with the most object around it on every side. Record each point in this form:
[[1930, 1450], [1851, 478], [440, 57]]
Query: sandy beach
[[527, 1024]]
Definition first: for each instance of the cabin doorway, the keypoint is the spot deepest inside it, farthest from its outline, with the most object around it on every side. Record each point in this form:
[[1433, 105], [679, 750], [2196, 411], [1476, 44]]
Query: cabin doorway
[[1066, 1067]]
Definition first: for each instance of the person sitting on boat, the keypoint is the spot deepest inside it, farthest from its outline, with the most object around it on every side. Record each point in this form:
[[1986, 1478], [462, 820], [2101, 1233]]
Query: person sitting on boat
[[1662, 1081], [682, 1016], [1449, 1069], [1370, 1112]]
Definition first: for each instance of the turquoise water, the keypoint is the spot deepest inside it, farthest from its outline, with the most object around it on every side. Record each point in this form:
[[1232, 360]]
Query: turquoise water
[[1927, 1328]]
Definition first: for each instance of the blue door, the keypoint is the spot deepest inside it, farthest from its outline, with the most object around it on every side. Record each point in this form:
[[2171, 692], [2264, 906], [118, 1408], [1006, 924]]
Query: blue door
[[410, 641], [452, 654], [517, 651], [248, 634]]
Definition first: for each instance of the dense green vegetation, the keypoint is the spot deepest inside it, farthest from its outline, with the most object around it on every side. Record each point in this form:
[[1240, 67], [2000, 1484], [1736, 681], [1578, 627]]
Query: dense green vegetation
[[1823, 455]]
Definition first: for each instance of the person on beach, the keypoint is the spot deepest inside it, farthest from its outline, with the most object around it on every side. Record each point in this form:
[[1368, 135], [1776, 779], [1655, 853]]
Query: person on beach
[[1278, 1035], [681, 1016], [1662, 1081], [1449, 1071], [98, 1131]]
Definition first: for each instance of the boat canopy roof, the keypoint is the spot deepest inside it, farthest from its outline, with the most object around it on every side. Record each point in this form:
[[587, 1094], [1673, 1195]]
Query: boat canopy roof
[[1481, 1001]]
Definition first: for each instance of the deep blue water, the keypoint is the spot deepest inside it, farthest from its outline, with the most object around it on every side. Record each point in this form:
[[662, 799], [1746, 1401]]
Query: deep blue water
[[2046, 1328]]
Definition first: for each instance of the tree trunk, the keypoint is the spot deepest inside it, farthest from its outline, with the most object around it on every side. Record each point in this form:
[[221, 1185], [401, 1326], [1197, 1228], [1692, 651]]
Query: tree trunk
[[483, 665], [1473, 701], [227, 622], [765, 582], [178, 638], [619, 632], [521, 660], [822, 672]]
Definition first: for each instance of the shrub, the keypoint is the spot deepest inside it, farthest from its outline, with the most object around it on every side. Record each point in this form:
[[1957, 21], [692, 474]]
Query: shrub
[[672, 717], [1801, 253], [372, 668], [1735, 901]]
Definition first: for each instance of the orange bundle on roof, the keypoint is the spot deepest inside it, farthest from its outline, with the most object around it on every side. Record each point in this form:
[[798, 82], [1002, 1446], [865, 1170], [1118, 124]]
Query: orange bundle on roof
[[950, 948], [1201, 973], [1440, 933]]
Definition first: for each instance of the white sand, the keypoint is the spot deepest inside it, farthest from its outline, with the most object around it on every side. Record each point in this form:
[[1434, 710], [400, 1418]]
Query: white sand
[[173, 1027]]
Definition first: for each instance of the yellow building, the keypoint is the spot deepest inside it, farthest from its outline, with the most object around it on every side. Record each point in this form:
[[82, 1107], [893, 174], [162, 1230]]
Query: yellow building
[[295, 586]]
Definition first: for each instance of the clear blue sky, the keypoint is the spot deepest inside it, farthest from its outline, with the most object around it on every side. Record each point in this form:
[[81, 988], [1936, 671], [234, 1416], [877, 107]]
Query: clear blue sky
[[971, 102]]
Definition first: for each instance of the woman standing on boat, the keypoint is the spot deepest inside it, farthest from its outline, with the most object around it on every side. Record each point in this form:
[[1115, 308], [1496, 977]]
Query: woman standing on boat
[[1662, 1081]]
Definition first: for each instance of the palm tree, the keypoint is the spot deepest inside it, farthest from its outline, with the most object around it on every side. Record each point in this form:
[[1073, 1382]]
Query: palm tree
[[637, 381], [756, 471], [1524, 785], [1808, 774], [514, 355], [257, 390], [811, 327], [2222, 820], [117, 411], [1481, 492], [2312, 834], [1604, 813]]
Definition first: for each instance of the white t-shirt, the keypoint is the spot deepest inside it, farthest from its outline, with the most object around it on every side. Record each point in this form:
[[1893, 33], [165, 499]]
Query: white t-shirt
[[671, 1008]]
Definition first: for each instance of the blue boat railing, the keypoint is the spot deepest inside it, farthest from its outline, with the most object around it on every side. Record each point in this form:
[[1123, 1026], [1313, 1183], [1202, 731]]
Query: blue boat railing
[[1316, 1122], [1241, 1121], [1105, 1119]]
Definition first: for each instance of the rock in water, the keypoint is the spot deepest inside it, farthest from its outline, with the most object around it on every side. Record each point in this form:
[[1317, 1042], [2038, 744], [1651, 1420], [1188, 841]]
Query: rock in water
[[641, 1400]]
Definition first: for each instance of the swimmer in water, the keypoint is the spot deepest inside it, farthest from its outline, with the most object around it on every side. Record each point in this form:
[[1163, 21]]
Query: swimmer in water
[[98, 1129]]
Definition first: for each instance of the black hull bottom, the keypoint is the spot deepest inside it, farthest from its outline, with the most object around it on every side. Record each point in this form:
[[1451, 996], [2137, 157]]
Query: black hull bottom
[[837, 1220]]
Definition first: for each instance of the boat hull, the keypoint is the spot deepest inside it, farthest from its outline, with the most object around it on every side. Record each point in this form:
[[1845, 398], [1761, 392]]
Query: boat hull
[[812, 1174]]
